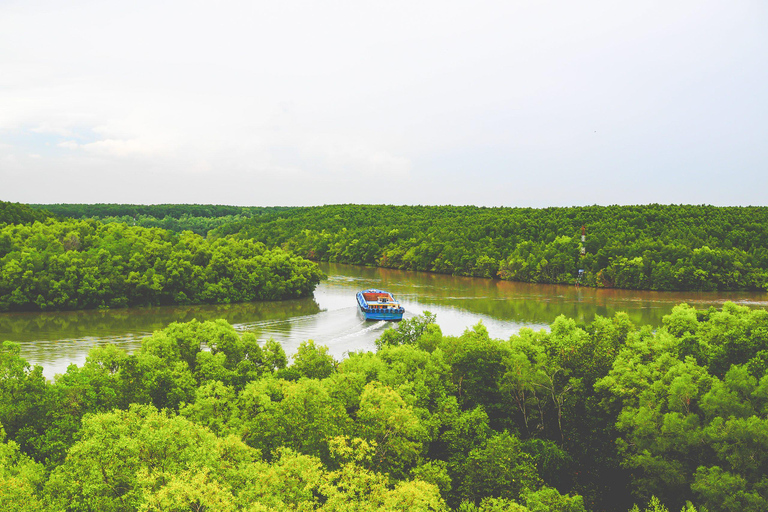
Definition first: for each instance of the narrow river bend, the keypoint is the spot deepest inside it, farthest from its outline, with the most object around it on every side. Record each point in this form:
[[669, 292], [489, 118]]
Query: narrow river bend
[[57, 339]]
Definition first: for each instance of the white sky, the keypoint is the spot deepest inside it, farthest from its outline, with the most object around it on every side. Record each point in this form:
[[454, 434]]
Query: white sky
[[535, 103]]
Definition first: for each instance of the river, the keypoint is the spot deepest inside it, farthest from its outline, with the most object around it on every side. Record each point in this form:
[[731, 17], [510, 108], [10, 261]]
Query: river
[[57, 339]]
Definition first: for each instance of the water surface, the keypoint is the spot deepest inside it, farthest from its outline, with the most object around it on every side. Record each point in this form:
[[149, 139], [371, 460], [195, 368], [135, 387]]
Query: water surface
[[55, 340]]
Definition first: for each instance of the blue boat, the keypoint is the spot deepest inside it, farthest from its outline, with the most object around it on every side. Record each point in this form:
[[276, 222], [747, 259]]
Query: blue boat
[[379, 305]]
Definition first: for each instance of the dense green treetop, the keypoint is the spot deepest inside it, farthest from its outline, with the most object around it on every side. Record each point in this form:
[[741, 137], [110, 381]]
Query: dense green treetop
[[87, 264], [159, 211], [199, 225], [16, 213], [575, 418], [198, 218], [661, 247], [658, 247]]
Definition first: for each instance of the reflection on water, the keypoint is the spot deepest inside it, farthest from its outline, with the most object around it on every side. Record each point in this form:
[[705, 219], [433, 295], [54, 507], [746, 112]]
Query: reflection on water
[[505, 302], [74, 324], [55, 340]]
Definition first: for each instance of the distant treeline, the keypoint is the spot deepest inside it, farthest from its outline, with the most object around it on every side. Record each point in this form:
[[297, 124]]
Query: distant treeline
[[570, 419], [656, 247], [198, 218], [17, 213], [176, 211], [199, 225], [77, 264]]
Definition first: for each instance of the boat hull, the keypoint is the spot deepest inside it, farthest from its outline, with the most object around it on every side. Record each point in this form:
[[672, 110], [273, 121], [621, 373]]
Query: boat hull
[[384, 307], [383, 316]]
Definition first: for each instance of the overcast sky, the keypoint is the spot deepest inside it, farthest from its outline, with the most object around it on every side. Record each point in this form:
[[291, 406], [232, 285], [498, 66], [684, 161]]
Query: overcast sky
[[535, 103]]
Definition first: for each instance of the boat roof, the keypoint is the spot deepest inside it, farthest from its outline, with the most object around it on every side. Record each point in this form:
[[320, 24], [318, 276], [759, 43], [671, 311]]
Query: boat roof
[[372, 295]]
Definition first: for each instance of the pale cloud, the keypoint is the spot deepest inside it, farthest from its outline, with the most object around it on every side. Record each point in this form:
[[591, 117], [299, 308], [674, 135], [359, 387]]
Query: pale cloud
[[355, 157], [298, 102], [48, 128], [123, 148]]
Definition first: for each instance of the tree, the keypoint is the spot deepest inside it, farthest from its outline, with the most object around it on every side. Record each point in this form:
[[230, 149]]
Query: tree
[[275, 413], [386, 420], [500, 469], [312, 361], [407, 331], [22, 394], [124, 457], [21, 479]]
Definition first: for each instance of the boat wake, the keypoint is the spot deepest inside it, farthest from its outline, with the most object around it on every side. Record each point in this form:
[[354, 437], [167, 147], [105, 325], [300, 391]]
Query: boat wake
[[378, 326]]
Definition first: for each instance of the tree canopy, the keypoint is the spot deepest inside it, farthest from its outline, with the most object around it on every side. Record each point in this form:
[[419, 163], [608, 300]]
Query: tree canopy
[[574, 418], [656, 247], [87, 264], [16, 213], [198, 218]]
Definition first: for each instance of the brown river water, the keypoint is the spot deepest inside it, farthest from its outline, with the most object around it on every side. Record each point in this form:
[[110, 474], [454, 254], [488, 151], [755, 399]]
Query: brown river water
[[57, 339]]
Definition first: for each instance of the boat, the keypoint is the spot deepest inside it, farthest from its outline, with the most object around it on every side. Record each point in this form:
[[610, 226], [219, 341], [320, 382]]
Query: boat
[[379, 305]]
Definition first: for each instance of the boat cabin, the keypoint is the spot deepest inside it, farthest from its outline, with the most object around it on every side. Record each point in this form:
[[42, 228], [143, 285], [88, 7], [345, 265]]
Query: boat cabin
[[378, 300]]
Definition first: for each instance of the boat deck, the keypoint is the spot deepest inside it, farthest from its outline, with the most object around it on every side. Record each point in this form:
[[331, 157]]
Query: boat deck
[[379, 305]]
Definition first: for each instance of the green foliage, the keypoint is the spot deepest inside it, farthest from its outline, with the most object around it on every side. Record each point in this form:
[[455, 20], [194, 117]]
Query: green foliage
[[570, 419], [434, 472], [657, 247], [385, 419], [477, 364], [492, 505], [313, 362], [548, 499], [123, 455], [407, 331], [23, 393], [654, 505], [16, 213], [694, 427], [87, 264], [21, 479], [499, 469], [198, 218], [275, 413]]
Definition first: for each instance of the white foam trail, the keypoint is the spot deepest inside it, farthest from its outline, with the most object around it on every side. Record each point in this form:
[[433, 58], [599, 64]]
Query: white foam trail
[[362, 332]]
